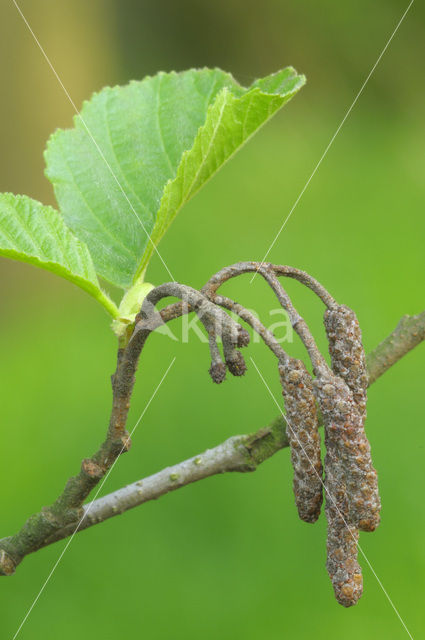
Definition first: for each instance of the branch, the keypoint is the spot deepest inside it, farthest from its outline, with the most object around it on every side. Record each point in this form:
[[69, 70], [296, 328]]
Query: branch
[[67, 509], [240, 453], [66, 512], [279, 270], [409, 332], [248, 317], [216, 322]]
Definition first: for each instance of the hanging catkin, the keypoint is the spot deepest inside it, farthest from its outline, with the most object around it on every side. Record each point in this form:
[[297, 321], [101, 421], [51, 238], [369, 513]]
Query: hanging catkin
[[347, 352], [335, 401], [342, 565], [303, 436], [348, 362]]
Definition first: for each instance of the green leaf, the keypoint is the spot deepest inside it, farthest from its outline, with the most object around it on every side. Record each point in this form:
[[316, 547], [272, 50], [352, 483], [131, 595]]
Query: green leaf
[[34, 233], [138, 153]]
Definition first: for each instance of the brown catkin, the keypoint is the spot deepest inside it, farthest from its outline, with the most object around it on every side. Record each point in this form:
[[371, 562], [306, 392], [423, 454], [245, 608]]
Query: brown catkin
[[349, 363], [336, 403], [342, 565], [303, 436], [347, 351], [235, 363]]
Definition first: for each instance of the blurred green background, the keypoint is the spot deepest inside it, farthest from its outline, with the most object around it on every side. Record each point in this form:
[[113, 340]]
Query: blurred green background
[[226, 558]]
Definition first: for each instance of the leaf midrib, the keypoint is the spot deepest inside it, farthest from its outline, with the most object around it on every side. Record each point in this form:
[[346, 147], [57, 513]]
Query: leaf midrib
[[202, 164]]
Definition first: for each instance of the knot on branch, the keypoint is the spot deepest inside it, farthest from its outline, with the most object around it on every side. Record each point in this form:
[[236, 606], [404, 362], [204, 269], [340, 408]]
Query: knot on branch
[[92, 469], [118, 446], [7, 564]]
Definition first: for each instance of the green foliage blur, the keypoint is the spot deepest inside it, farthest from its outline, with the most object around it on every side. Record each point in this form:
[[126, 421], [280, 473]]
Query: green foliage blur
[[226, 558]]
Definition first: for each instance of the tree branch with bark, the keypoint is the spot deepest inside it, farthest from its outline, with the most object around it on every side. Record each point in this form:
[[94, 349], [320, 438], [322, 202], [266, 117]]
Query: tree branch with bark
[[243, 453]]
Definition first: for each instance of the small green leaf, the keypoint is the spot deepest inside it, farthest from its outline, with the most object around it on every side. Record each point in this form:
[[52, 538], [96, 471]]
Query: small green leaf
[[139, 152], [130, 306], [34, 233]]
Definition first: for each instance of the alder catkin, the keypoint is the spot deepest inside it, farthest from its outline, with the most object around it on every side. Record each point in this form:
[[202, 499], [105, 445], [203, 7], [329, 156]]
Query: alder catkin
[[349, 363], [303, 435], [347, 351], [235, 363], [342, 565], [336, 403], [217, 372]]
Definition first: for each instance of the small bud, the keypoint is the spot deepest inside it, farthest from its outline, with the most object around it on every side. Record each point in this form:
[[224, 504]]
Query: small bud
[[126, 442]]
